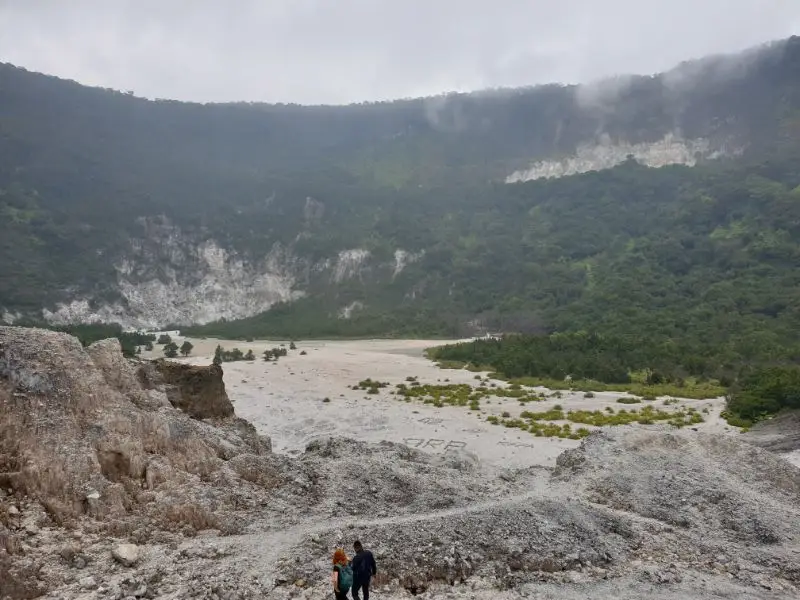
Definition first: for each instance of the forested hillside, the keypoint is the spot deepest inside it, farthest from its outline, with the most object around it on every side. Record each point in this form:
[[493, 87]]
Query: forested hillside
[[396, 218]]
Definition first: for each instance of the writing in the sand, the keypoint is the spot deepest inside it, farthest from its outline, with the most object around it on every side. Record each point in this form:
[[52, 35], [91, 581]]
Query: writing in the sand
[[434, 443], [516, 444]]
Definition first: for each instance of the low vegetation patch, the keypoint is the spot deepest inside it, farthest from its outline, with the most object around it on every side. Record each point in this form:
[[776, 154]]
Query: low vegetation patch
[[688, 388], [192, 516], [541, 424], [274, 354], [370, 386], [221, 355], [459, 394], [629, 400]]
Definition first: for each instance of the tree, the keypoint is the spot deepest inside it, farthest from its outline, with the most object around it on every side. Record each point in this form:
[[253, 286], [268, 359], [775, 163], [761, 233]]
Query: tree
[[218, 356], [171, 350], [233, 355], [249, 355], [164, 339], [186, 348]]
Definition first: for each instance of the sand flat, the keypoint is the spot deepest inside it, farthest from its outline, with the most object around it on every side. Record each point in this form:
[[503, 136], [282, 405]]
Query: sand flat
[[285, 400]]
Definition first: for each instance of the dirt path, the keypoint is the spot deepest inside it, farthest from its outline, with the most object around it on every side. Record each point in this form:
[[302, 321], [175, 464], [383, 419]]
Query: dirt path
[[265, 548]]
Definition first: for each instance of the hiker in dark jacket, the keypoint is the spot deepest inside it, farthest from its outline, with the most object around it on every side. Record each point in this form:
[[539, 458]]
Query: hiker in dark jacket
[[364, 569]]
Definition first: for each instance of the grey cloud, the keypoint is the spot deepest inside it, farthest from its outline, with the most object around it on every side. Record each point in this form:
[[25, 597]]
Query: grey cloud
[[335, 51]]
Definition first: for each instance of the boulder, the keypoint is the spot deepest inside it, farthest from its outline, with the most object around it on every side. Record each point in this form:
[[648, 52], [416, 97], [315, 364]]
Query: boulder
[[126, 554]]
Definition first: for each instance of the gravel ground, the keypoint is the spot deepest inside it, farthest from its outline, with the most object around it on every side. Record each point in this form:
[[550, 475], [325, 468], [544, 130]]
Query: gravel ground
[[626, 513]]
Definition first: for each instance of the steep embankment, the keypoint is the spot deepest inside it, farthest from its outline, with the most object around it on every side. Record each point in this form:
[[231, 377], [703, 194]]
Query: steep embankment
[[779, 434]]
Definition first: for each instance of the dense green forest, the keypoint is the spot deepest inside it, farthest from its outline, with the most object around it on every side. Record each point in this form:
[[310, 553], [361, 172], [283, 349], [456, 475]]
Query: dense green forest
[[687, 271], [699, 259], [82, 170]]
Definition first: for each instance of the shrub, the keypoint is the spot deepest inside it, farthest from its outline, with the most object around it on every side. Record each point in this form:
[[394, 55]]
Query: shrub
[[194, 516], [555, 414], [736, 420], [763, 393], [589, 395], [629, 400], [506, 414]]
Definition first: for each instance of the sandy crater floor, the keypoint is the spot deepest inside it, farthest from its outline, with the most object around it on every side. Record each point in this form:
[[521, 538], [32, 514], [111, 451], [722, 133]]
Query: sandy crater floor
[[285, 401]]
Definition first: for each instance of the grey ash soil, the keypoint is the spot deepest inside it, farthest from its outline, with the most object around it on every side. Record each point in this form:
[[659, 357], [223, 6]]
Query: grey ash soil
[[214, 513]]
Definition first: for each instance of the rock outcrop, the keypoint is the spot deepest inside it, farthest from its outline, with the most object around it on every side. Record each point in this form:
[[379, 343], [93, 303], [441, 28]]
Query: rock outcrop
[[779, 434], [198, 391], [82, 436]]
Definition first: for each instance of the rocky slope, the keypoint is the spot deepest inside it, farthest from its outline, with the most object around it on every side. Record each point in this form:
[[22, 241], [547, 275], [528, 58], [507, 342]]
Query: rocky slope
[[109, 490]]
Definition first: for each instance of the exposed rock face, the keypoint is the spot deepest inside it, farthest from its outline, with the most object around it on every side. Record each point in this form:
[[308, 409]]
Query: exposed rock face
[[198, 391], [80, 434], [672, 149], [170, 277], [349, 263]]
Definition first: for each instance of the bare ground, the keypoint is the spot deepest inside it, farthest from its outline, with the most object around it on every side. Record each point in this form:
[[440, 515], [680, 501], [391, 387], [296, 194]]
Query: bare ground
[[630, 512]]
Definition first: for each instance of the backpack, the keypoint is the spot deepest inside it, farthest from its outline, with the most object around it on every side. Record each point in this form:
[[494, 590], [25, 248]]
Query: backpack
[[345, 578]]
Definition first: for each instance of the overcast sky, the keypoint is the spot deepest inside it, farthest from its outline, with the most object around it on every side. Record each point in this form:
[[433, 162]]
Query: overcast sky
[[336, 51]]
